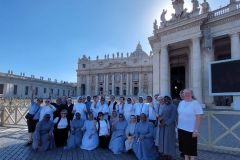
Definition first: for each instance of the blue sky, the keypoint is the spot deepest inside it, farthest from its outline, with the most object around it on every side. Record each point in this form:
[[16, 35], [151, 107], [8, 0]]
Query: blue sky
[[46, 37]]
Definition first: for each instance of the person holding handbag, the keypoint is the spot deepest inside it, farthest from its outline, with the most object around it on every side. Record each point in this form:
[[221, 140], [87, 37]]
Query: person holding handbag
[[33, 117]]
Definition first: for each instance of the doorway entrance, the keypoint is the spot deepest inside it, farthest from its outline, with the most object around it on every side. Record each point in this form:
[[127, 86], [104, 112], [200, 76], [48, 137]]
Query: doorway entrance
[[83, 89], [177, 81]]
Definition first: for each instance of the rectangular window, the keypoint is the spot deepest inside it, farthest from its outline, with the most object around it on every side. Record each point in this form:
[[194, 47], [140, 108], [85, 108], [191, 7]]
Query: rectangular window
[[68, 93], [45, 90], [135, 76], [26, 90], [36, 91], [51, 91], [83, 65], [63, 92], [15, 89], [1, 88], [58, 92], [124, 92]]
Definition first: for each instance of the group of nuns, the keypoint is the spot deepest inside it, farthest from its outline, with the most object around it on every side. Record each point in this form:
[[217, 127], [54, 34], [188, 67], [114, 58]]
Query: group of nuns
[[146, 128]]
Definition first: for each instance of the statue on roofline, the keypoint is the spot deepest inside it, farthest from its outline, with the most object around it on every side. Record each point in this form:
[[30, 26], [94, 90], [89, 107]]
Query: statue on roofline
[[155, 26], [163, 16], [180, 11], [205, 7], [178, 6], [195, 5], [233, 1]]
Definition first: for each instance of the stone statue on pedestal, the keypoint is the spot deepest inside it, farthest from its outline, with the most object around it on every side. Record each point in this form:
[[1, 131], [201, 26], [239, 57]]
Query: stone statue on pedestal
[[163, 16], [196, 9], [233, 1], [195, 5], [155, 26], [180, 11], [205, 7], [178, 6], [232, 5]]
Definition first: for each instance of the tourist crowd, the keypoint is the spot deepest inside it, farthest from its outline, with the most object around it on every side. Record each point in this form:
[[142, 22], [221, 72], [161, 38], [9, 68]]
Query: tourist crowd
[[146, 127]]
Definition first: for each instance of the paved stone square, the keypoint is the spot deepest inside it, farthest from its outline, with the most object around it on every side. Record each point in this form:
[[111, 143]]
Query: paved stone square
[[13, 139]]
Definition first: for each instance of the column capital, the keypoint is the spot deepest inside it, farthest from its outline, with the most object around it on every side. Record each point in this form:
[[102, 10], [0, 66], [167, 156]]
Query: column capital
[[234, 34], [164, 46], [196, 38]]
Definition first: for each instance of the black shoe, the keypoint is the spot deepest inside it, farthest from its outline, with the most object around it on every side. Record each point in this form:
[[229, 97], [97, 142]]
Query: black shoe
[[28, 144]]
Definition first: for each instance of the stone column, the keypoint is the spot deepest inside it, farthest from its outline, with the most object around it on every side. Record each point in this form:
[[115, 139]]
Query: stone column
[[140, 84], [88, 85], [107, 84], [104, 84], [208, 57], [235, 47], [127, 85], [164, 71], [196, 69], [130, 85], [121, 84], [78, 85], [156, 69], [113, 93], [96, 85]]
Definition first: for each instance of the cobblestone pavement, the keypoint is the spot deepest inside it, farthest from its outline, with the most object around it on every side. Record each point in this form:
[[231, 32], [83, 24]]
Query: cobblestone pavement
[[12, 140]]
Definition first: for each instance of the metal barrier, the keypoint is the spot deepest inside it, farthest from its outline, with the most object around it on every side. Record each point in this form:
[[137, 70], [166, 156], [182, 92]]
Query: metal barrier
[[220, 130], [13, 111]]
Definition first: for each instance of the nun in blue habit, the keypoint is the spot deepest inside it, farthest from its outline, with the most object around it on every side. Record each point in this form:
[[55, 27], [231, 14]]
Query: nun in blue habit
[[90, 136], [43, 139], [118, 138], [76, 133], [143, 144]]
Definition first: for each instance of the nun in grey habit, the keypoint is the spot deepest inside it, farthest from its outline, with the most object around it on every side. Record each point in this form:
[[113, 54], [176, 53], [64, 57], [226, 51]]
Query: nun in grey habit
[[167, 134], [43, 139]]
